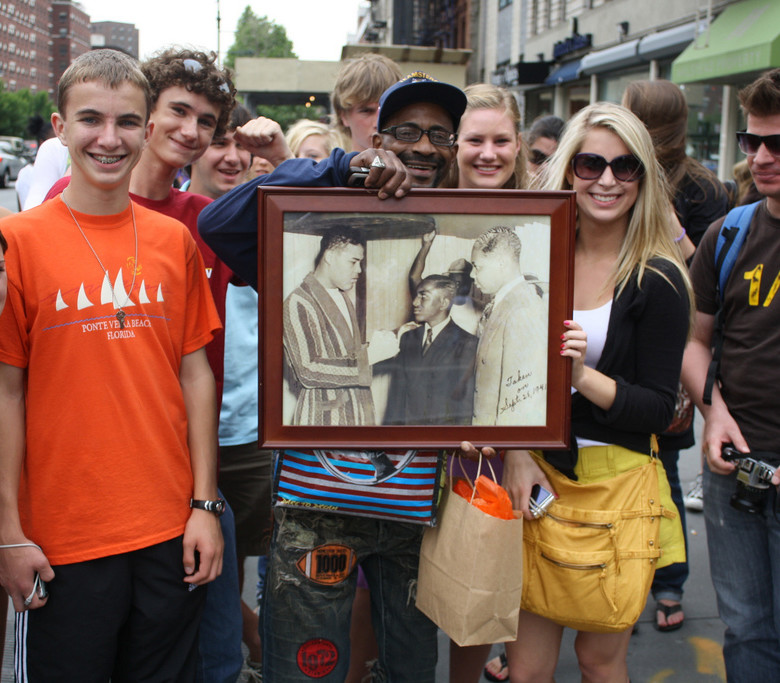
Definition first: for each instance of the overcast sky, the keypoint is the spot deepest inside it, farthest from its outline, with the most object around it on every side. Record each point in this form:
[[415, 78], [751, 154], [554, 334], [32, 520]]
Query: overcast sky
[[317, 28]]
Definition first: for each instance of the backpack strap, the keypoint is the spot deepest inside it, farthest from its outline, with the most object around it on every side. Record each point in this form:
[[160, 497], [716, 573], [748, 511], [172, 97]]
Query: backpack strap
[[730, 240]]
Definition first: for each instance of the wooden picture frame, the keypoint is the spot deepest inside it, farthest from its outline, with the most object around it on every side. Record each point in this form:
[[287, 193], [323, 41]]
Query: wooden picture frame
[[314, 386]]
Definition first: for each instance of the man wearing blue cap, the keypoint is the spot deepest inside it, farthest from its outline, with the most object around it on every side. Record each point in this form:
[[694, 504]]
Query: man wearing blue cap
[[415, 146], [306, 622]]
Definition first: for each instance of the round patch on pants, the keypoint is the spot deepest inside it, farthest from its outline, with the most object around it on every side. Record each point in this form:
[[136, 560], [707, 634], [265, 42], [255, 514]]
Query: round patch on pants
[[328, 564], [317, 657]]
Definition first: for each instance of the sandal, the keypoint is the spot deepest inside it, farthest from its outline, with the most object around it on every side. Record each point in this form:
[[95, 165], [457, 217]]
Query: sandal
[[667, 611], [504, 671]]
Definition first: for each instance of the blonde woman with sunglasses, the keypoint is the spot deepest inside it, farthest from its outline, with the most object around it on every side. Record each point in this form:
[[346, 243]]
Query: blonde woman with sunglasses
[[632, 307]]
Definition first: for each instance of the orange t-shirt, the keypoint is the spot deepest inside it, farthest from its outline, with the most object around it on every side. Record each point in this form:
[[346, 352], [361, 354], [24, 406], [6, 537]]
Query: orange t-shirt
[[107, 467]]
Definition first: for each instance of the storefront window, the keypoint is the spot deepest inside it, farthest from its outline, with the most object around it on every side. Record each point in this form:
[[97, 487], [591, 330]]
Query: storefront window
[[612, 86], [578, 97], [537, 103], [705, 104]]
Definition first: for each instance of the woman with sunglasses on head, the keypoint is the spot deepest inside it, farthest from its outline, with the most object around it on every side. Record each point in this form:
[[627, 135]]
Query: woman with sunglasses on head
[[632, 307]]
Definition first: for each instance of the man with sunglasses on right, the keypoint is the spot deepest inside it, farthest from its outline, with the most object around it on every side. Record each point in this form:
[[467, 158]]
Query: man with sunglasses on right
[[744, 547]]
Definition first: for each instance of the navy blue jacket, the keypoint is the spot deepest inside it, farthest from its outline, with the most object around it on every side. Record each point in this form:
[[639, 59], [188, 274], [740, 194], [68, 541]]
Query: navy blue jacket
[[229, 224]]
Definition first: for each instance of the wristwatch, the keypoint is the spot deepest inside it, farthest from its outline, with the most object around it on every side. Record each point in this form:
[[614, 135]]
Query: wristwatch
[[216, 506]]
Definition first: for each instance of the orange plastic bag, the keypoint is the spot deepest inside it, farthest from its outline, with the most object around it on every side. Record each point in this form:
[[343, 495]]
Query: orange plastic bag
[[489, 496]]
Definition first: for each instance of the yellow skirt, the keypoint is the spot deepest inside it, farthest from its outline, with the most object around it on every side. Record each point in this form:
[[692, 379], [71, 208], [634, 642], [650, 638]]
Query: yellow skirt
[[596, 463]]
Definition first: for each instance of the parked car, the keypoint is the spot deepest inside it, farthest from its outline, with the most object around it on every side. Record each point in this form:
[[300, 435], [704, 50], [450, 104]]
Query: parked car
[[10, 163], [30, 150]]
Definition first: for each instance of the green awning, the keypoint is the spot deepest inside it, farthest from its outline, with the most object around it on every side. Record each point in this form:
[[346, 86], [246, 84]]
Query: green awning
[[742, 42]]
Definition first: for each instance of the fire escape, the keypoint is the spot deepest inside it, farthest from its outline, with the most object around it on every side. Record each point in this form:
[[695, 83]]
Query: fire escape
[[431, 23]]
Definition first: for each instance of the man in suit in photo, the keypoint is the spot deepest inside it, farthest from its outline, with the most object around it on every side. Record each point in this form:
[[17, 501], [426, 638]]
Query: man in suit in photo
[[511, 364], [433, 374]]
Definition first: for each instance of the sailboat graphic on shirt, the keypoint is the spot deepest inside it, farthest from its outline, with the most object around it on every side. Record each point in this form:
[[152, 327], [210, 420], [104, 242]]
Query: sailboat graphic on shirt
[[116, 296]]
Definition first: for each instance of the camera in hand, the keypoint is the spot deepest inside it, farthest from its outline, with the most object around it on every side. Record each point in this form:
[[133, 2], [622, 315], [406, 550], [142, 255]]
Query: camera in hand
[[541, 499], [754, 477]]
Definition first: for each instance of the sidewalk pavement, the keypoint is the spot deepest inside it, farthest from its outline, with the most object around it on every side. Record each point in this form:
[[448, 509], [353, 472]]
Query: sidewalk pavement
[[691, 654]]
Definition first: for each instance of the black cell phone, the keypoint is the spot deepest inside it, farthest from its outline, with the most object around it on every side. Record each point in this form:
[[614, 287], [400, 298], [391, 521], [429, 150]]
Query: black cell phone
[[541, 499], [357, 176]]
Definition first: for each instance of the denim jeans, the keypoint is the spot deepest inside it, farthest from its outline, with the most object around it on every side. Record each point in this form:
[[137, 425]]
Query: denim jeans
[[668, 581], [306, 624], [744, 554], [219, 641]]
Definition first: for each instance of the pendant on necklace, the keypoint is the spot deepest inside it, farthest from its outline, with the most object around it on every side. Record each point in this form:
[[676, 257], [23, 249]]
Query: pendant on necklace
[[120, 316]]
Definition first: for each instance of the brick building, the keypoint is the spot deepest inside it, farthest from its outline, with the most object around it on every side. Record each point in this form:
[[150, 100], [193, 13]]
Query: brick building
[[25, 52], [115, 34], [40, 38], [69, 36]]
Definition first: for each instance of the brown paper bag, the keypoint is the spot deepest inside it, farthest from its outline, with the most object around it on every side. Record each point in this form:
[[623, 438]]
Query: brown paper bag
[[471, 573]]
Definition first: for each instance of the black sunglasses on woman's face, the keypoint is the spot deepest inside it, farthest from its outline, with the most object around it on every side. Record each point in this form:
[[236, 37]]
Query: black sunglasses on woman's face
[[626, 168]]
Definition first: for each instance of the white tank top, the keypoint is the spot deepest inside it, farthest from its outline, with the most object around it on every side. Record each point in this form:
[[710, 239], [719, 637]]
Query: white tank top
[[595, 322]]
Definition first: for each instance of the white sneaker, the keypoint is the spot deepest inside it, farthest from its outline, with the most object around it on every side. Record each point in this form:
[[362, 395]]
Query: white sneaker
[[693, 500]]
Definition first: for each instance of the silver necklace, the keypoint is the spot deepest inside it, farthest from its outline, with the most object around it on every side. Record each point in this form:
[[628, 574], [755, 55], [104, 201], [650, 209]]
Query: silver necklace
[[120, 314]]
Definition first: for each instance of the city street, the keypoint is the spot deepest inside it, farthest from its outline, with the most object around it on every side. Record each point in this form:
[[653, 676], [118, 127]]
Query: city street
[[689, 655], [8, 197]]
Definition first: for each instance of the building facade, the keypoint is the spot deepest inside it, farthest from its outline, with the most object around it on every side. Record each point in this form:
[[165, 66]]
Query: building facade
[[24, 45], [443, 24], [40, 38], [422, 23], [560, 55], [116, 35], [69, 36]]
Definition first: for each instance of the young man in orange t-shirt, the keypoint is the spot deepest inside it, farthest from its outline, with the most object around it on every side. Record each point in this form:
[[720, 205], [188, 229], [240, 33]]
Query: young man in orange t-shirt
[[107, 409]]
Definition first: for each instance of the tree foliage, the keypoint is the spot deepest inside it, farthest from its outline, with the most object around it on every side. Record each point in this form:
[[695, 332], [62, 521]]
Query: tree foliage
[[258, 37], [261, 37], [287, 114], [17, 107]]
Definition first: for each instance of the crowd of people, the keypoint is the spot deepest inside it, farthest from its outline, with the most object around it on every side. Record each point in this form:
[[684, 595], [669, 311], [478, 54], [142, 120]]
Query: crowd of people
[[132, 482]]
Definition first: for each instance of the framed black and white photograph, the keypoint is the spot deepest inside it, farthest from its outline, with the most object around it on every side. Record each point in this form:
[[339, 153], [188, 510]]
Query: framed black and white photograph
[[417, 322]]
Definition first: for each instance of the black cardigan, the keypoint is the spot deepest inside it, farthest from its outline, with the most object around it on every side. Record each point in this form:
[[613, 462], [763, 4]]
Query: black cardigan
[[646, 336]]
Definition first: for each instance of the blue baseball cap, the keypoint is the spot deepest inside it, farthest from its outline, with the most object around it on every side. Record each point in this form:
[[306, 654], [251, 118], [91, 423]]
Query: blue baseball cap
[[420, 87]]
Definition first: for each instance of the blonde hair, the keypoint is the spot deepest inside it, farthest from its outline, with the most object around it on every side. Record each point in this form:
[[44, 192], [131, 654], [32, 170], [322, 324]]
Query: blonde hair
[[302, 129], [648, 235], [360, 80], [487, 96], [743, 178]]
